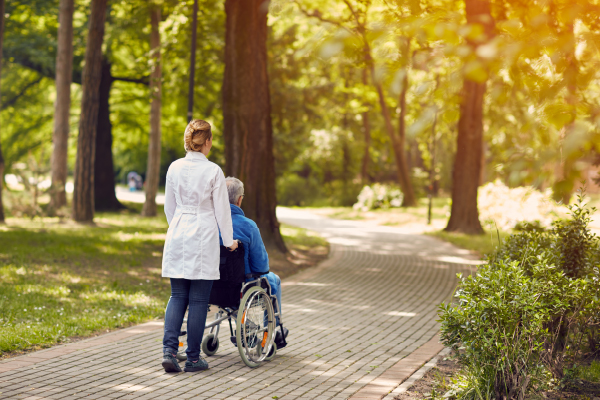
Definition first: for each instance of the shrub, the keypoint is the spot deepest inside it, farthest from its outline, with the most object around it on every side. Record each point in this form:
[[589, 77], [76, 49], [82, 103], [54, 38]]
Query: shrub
[[294, 190], [524, 316], [506, 207], [378, 196]]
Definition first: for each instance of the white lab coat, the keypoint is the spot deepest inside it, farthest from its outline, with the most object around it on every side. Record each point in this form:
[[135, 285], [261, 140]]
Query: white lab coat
[[197, 207]]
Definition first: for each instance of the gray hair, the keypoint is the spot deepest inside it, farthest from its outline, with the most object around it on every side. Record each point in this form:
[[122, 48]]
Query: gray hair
[[235, 189]]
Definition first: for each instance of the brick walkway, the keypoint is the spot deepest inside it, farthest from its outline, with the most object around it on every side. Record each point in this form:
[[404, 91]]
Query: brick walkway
[[352, 320]]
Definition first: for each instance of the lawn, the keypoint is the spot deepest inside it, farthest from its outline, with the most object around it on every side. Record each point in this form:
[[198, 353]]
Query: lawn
[[485, 244], [393, 216], [60, 281], [416, 219]]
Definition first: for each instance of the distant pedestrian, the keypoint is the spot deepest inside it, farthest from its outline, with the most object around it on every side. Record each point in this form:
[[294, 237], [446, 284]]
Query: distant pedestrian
[[197, 207]]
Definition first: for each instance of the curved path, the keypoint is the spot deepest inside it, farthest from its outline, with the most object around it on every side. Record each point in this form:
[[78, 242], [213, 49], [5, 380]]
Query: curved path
[[352, 320]]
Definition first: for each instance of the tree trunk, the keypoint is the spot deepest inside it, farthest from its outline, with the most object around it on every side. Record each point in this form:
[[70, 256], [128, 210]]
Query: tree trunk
[[62, 107], [366, 159], [567, 176], [464, 215], [83, 196], [247, 114], [398, 147], [105, 198], [409, 199], [153, 166], [1, 157]]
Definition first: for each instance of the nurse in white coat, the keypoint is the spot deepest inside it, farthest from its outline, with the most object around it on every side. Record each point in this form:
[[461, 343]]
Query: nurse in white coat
[[197, 208]]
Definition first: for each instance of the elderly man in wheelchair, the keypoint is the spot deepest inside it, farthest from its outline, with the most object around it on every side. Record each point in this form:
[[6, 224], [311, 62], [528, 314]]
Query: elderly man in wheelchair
[[246, 292]]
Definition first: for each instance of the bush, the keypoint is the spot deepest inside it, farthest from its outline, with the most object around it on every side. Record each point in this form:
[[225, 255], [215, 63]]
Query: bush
[[523, 317], [507, 207], [294, 190], [378, 196]]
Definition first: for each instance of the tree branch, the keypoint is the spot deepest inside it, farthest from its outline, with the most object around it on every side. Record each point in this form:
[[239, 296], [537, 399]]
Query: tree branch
[[145, 80], [317, 14], [16, 97]]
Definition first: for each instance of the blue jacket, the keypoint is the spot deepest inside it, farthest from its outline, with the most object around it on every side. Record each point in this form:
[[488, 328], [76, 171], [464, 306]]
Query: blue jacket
[[256, 259]]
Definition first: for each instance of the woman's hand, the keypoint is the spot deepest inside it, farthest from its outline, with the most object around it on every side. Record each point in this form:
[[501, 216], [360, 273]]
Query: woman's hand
[[234, 245]]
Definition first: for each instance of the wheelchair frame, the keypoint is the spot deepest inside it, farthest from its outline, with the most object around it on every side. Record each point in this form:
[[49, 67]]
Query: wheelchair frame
[[267, 349]]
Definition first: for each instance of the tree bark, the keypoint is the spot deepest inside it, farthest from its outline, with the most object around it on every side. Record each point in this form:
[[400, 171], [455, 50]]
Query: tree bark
[[83, 196], [153, 167], [62, 107], [1, 157], [398, 147], [366, 159], [105, 198], [409, 199], [565, 184], [247, 114], [464, 215]]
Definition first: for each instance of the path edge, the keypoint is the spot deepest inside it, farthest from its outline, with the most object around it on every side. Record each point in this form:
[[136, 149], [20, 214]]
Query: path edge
[[394, 376]]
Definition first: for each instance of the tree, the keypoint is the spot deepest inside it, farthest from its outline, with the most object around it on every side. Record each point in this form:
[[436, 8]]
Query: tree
[[366, 128], [105, 197], [1, 157], [83, 196], [62, 107], [153, 167], [247, 113], [359, 15], [464, 215]]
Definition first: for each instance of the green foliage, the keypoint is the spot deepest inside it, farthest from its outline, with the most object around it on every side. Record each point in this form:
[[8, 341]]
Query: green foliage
[[523, 317], [590, 372], [578, 243], [322, 93], [293, 190]]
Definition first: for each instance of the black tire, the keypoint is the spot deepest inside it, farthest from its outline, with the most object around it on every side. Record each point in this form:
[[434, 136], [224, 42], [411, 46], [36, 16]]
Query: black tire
[[210, 344], [181, 354]]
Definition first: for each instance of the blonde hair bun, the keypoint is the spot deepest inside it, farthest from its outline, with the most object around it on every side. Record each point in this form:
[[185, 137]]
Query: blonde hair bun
[[196, 134]]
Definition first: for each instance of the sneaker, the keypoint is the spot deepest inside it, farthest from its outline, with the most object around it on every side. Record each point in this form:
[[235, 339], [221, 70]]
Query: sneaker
[[199, 365], [170, 363], [279, 337]]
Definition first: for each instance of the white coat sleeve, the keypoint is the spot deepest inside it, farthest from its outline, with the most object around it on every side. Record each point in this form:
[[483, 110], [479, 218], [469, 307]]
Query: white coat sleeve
[[170, 202], [222, 209]]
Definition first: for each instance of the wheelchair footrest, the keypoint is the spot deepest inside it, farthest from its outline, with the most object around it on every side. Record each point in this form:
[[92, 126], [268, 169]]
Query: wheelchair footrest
[[280, 337], [233, 340]]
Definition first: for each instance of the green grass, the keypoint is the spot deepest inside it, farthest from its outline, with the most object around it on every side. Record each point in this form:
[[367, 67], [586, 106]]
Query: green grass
[[391, 216], [301, 238], [67, 280], [60, 281], [483, 244], [590, 373]]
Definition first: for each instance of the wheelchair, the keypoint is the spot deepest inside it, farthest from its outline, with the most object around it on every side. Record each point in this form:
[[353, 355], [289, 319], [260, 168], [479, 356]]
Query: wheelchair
[[251, 305]]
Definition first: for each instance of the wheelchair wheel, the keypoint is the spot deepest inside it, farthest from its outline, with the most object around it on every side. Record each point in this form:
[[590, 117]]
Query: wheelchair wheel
[[210, 344], [255, 327], [272, 353], [181, 354]]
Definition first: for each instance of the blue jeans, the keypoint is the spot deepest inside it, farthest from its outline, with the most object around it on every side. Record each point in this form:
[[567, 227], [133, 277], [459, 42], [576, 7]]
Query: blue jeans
[[184, 292], [275, 283]]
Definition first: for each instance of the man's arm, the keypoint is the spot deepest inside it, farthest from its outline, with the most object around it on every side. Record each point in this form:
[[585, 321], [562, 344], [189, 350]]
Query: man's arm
[[258, 257]]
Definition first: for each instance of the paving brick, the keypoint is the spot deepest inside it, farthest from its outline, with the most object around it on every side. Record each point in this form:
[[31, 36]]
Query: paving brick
[[356, 323]]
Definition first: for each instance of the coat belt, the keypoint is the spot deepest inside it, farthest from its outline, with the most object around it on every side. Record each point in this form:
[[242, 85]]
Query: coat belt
[[189, 209]]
